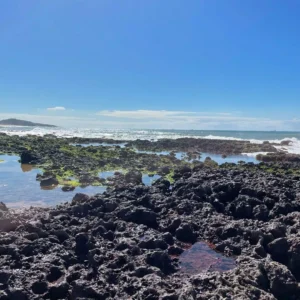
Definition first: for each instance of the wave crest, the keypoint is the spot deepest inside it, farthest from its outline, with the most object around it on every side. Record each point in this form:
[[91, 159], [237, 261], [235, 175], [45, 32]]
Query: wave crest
[[125, 134]]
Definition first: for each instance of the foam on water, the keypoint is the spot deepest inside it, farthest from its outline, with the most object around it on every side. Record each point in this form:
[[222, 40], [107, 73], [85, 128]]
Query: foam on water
[[294, 146], [254, 154], [126, 134]]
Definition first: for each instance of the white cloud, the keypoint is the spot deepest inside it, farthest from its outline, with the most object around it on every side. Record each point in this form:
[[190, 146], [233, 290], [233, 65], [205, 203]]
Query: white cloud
[[156, 114], [171, 116], [56, 108], [158, 119], [141, 114]]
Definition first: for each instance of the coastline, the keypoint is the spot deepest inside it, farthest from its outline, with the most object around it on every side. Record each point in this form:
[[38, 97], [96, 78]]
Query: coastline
[[93, 164], [197, 221], [134, 240]]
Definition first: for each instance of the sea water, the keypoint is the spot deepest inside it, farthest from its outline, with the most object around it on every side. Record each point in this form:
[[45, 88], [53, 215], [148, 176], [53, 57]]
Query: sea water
[[18, 186], [146, 134]]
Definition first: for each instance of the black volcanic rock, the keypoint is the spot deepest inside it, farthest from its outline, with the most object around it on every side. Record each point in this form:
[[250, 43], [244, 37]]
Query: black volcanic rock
[[279, 157], [29, 157], [127, 243], [50, 181]]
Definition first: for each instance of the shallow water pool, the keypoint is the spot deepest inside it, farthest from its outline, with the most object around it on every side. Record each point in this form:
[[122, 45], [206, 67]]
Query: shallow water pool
[[19, 188], [147, 180], [229, 159], [216, 157], [202, 258]]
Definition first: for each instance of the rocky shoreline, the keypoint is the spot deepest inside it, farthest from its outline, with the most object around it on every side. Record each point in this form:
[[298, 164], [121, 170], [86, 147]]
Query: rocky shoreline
[[64, 161], [126, 243], [227, 147], [201, 231]]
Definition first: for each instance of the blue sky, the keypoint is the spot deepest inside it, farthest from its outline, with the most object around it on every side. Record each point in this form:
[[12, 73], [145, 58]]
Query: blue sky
[[217, 64]]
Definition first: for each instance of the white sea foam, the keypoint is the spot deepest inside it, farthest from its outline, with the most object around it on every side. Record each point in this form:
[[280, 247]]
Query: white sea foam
[[293, 147], [215, 137], [254, 154], [125, 134]]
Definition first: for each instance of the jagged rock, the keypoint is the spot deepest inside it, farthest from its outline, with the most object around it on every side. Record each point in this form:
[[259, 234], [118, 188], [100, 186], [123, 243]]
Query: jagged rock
[[3, 207], [80, 198], [61, 291], [121, 244], [161, 260], [28, 157], [134, 177], [294, 256], [81, 240], [282, 283], [279, 249], [39, 287], [185, 233], [8, 224], [139, 216]]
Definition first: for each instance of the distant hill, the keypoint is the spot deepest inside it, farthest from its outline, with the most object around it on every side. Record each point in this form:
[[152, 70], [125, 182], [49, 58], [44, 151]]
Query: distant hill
[[16, 122]]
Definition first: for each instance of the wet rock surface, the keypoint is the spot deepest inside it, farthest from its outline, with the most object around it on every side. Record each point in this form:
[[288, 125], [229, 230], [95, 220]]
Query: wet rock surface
[[69, 165], [72, 164], [128, 242], [279, 157], [191, 145]]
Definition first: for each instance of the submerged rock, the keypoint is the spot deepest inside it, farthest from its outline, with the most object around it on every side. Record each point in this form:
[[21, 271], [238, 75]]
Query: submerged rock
[[68, 188], [48, 182]]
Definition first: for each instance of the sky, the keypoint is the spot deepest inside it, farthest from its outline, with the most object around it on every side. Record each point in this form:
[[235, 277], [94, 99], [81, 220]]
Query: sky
[[196, 64]]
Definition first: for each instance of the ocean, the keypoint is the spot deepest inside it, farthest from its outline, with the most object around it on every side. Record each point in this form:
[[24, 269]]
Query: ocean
[[19, 188], [150, 134]]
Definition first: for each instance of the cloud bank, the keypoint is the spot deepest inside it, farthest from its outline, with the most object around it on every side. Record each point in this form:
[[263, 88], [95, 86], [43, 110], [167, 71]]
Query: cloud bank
[[191, 120], [142, 114], [158, 119], [56, 108]]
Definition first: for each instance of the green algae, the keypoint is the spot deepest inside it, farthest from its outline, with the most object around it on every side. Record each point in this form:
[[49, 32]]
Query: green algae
[[69, 162], [170, 177], [72, 183]]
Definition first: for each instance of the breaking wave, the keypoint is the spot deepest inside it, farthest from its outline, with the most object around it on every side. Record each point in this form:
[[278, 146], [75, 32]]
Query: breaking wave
[[125, 134]]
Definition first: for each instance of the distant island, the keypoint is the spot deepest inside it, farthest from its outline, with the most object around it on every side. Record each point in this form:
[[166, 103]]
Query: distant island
[[16, 122]]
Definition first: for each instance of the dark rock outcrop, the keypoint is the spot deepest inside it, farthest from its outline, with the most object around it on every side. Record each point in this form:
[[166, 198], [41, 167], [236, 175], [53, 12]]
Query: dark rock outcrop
[[29, 157], [128, 242]]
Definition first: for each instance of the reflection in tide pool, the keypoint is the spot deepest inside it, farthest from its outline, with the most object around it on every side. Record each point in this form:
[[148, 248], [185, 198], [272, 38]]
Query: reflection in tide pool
[[183, 155], [201, 258], [148, 180], [178, 155], [18, 186], [106, 174], [26, 167], [216, 157], [229, 159]]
